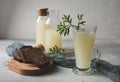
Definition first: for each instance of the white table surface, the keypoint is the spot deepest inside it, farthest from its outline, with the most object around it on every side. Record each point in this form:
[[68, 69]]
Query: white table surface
[[110, 52]]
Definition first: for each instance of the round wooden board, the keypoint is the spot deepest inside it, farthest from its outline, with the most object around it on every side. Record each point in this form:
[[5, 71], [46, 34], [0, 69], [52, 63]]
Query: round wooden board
[[28, 69]]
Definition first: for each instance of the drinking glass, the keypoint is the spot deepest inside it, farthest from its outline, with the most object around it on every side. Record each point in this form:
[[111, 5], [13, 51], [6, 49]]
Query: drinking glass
[[84, 38]]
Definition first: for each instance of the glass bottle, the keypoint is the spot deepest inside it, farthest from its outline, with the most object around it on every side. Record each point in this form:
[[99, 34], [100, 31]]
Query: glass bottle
[[52, 37], [40, 26]]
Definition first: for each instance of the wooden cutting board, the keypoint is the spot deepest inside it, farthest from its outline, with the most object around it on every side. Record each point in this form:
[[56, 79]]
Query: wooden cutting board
[[28, 69]]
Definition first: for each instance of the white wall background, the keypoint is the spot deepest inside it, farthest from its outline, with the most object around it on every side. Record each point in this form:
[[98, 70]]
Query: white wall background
[[17, 17]]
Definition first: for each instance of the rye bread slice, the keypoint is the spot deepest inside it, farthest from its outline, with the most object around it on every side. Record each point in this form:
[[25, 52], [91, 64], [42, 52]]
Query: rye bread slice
[[28, 54]]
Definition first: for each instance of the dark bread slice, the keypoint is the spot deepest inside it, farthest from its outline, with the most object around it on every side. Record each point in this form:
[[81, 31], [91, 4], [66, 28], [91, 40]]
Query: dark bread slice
[[38, 57], [28, 54], [22, 53]]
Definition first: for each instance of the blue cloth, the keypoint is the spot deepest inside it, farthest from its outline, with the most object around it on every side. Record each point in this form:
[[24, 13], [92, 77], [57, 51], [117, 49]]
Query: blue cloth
[[61, 61], [109, 70], [13, 48]]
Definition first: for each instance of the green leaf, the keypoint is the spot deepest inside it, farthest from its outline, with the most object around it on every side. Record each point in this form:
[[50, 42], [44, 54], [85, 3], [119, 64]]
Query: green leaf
[[64, 26], [56, 50]]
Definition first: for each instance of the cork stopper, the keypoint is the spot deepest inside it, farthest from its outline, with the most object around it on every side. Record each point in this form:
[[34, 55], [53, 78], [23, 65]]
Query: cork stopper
[[42, 11]]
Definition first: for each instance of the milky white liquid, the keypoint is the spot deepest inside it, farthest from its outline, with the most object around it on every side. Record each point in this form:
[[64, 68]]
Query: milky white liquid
[[52, 38], [83, 45]]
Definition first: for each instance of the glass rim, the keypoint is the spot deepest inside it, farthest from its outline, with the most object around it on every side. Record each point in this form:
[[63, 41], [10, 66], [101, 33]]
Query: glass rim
[[85, 28], [86, 25]]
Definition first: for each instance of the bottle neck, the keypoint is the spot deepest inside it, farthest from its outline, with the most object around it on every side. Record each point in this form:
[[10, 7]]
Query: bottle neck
[[53, 18], [42, 18]]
